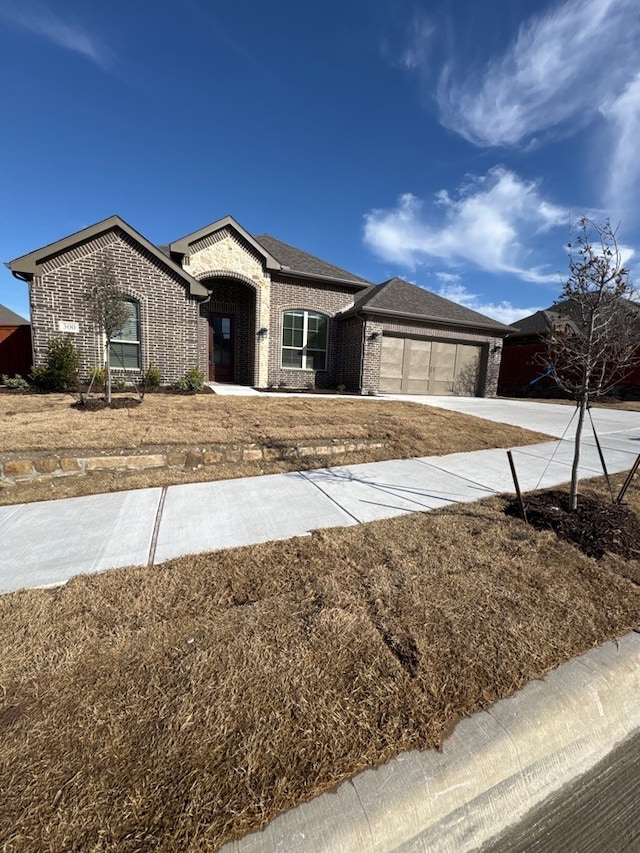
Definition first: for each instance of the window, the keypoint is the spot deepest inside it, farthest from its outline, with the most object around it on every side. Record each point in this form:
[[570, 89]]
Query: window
[[124, 347], [304, 340]]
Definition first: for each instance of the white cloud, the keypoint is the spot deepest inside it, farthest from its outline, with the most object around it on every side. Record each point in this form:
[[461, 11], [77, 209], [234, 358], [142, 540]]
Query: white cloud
[[504, 311], [623, 116], [489, 224], [42, 21], [421, 33], [563, 64]]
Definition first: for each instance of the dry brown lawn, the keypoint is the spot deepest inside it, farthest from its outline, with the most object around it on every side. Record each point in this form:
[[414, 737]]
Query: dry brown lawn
[[48, 423], [174, 708]]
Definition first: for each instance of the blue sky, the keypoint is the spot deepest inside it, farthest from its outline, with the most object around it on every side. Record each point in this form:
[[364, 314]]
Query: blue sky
[[452, 143]]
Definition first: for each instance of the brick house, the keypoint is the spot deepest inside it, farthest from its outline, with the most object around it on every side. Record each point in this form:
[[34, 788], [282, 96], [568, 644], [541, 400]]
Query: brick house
[[15, 344], [256, 311], [523, 369]]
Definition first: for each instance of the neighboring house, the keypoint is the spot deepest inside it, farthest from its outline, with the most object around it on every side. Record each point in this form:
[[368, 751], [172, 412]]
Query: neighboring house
[[256, 311], [525, 359], [15, 344]]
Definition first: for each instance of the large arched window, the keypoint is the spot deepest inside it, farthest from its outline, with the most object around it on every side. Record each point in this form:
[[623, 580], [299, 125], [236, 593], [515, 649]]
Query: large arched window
[[124, 347], [304, 340]]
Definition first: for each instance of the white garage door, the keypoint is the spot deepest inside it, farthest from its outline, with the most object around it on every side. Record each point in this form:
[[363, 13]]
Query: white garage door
[[416, 366]]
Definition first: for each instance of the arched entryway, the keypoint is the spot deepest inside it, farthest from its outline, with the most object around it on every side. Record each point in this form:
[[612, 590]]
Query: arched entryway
[[231, 314]]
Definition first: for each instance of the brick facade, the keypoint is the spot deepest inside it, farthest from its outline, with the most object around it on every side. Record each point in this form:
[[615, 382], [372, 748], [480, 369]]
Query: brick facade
[[288, 294], [168, 315], [222, 269]]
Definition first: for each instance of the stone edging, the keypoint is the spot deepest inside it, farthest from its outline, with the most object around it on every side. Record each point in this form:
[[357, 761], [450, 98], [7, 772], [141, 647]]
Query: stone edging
[[25, 467]]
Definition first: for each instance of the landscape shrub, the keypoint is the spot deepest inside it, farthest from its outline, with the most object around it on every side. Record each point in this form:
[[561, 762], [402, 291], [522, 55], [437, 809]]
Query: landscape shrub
[[16, 382], [60, 370], [193, 380], [154, 378]]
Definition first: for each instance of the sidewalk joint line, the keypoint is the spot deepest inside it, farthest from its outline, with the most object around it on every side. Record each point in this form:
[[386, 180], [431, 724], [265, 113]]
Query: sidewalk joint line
[[156, 528], [333, 500]]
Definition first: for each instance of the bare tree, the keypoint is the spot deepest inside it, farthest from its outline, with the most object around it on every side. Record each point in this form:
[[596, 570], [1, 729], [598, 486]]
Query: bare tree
[[596, 341], [108, 311]]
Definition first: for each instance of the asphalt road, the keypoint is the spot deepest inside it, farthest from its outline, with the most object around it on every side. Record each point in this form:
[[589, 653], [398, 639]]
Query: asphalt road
[[600, 813]]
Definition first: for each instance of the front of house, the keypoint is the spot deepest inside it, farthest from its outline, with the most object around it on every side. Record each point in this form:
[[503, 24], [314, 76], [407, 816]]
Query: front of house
[[255, 311]]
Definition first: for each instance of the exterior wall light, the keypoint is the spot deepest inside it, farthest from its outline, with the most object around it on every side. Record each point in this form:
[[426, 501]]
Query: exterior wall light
[[263, 332]]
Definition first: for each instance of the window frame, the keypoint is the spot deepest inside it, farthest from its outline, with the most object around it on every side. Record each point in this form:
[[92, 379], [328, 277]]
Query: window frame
[[119, 339], [304, 348]]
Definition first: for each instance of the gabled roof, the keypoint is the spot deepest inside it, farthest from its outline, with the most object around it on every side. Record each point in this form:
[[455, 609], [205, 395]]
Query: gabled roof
[[29, 265], [10, 318], [182, 246], [560, 312], [294, 261], [400, 298]]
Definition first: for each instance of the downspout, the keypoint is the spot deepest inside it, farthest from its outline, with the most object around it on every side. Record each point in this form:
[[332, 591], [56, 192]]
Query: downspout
[[28, 280], [362, 343]]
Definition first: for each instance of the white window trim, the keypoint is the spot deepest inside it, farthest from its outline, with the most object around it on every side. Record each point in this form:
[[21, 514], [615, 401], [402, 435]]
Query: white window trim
[[305, 329]]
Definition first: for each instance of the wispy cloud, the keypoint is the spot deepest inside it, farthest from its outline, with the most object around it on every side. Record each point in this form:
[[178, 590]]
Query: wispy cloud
[[623, 117], [491, 223], [563, 65], [42, 21], [504, 311]]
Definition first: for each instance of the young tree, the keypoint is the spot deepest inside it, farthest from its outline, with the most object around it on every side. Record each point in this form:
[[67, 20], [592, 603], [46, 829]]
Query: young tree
[[107, 310], [597, 339]]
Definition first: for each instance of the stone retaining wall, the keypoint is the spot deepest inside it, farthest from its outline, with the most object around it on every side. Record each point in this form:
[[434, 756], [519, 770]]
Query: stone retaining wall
[[20, 468]]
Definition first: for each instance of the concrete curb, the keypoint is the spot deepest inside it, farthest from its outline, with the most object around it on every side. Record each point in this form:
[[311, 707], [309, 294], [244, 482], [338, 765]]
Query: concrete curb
[[495, 767]]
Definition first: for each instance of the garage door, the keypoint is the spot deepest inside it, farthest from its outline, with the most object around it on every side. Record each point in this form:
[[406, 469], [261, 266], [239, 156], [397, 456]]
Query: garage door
[[416, 366]]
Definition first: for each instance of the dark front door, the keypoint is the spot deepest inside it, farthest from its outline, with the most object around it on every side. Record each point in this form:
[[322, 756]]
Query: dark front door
[[221, 334]]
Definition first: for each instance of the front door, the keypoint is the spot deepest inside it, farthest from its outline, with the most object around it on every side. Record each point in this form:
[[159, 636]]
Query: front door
[[221, 333]]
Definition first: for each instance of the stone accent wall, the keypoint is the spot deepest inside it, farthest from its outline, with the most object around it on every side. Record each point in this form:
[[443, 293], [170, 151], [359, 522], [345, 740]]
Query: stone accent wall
[[21, 468], [288, 294], [226, 256], [168, 315]]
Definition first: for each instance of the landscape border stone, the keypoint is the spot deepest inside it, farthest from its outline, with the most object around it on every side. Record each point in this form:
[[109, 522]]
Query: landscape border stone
[[24, 467]]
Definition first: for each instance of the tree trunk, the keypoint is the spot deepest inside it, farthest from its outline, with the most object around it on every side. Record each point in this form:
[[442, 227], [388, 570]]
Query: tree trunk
[[573, 491], [107, 380]]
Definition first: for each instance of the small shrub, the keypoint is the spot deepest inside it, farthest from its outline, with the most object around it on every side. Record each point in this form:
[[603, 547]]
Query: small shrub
[[193, 380], [60, 370], [119, 383], [97, 376], [154, 378], [17, 382], [340, 389]]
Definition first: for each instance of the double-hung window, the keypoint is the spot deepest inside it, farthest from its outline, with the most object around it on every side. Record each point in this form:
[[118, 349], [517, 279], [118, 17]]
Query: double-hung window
[[124, 347], [304, 340]]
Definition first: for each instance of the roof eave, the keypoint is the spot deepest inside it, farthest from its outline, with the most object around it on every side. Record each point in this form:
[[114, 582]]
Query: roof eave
[[326, 278], [371, 309], [29, 265], [181, 246]]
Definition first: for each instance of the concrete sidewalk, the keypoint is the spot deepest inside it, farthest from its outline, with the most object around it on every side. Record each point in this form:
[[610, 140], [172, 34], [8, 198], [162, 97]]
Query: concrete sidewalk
[[49, 542]]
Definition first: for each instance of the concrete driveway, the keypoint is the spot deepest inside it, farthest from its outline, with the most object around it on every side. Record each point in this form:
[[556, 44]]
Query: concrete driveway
[[550, 418]]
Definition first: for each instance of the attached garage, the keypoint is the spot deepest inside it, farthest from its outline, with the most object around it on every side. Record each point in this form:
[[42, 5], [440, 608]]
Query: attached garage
[[419, 366], [414, 341]]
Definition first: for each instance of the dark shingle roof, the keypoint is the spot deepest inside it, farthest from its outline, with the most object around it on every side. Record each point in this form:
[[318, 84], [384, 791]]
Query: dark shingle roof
[[543, 321], [397, 296], [10, 318], [302, 262]]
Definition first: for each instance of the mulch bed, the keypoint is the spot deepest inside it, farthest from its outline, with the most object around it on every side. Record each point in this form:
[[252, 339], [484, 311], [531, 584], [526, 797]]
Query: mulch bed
[[597, 527], [97, 404]]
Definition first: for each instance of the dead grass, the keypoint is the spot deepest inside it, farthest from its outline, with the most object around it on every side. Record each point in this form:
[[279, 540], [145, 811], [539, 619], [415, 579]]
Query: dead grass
[[39, 423], [175, 708]]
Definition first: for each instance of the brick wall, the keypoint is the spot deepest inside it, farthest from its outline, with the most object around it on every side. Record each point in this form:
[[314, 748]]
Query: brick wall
[[168, 315], [288, 294], [350, 350]]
